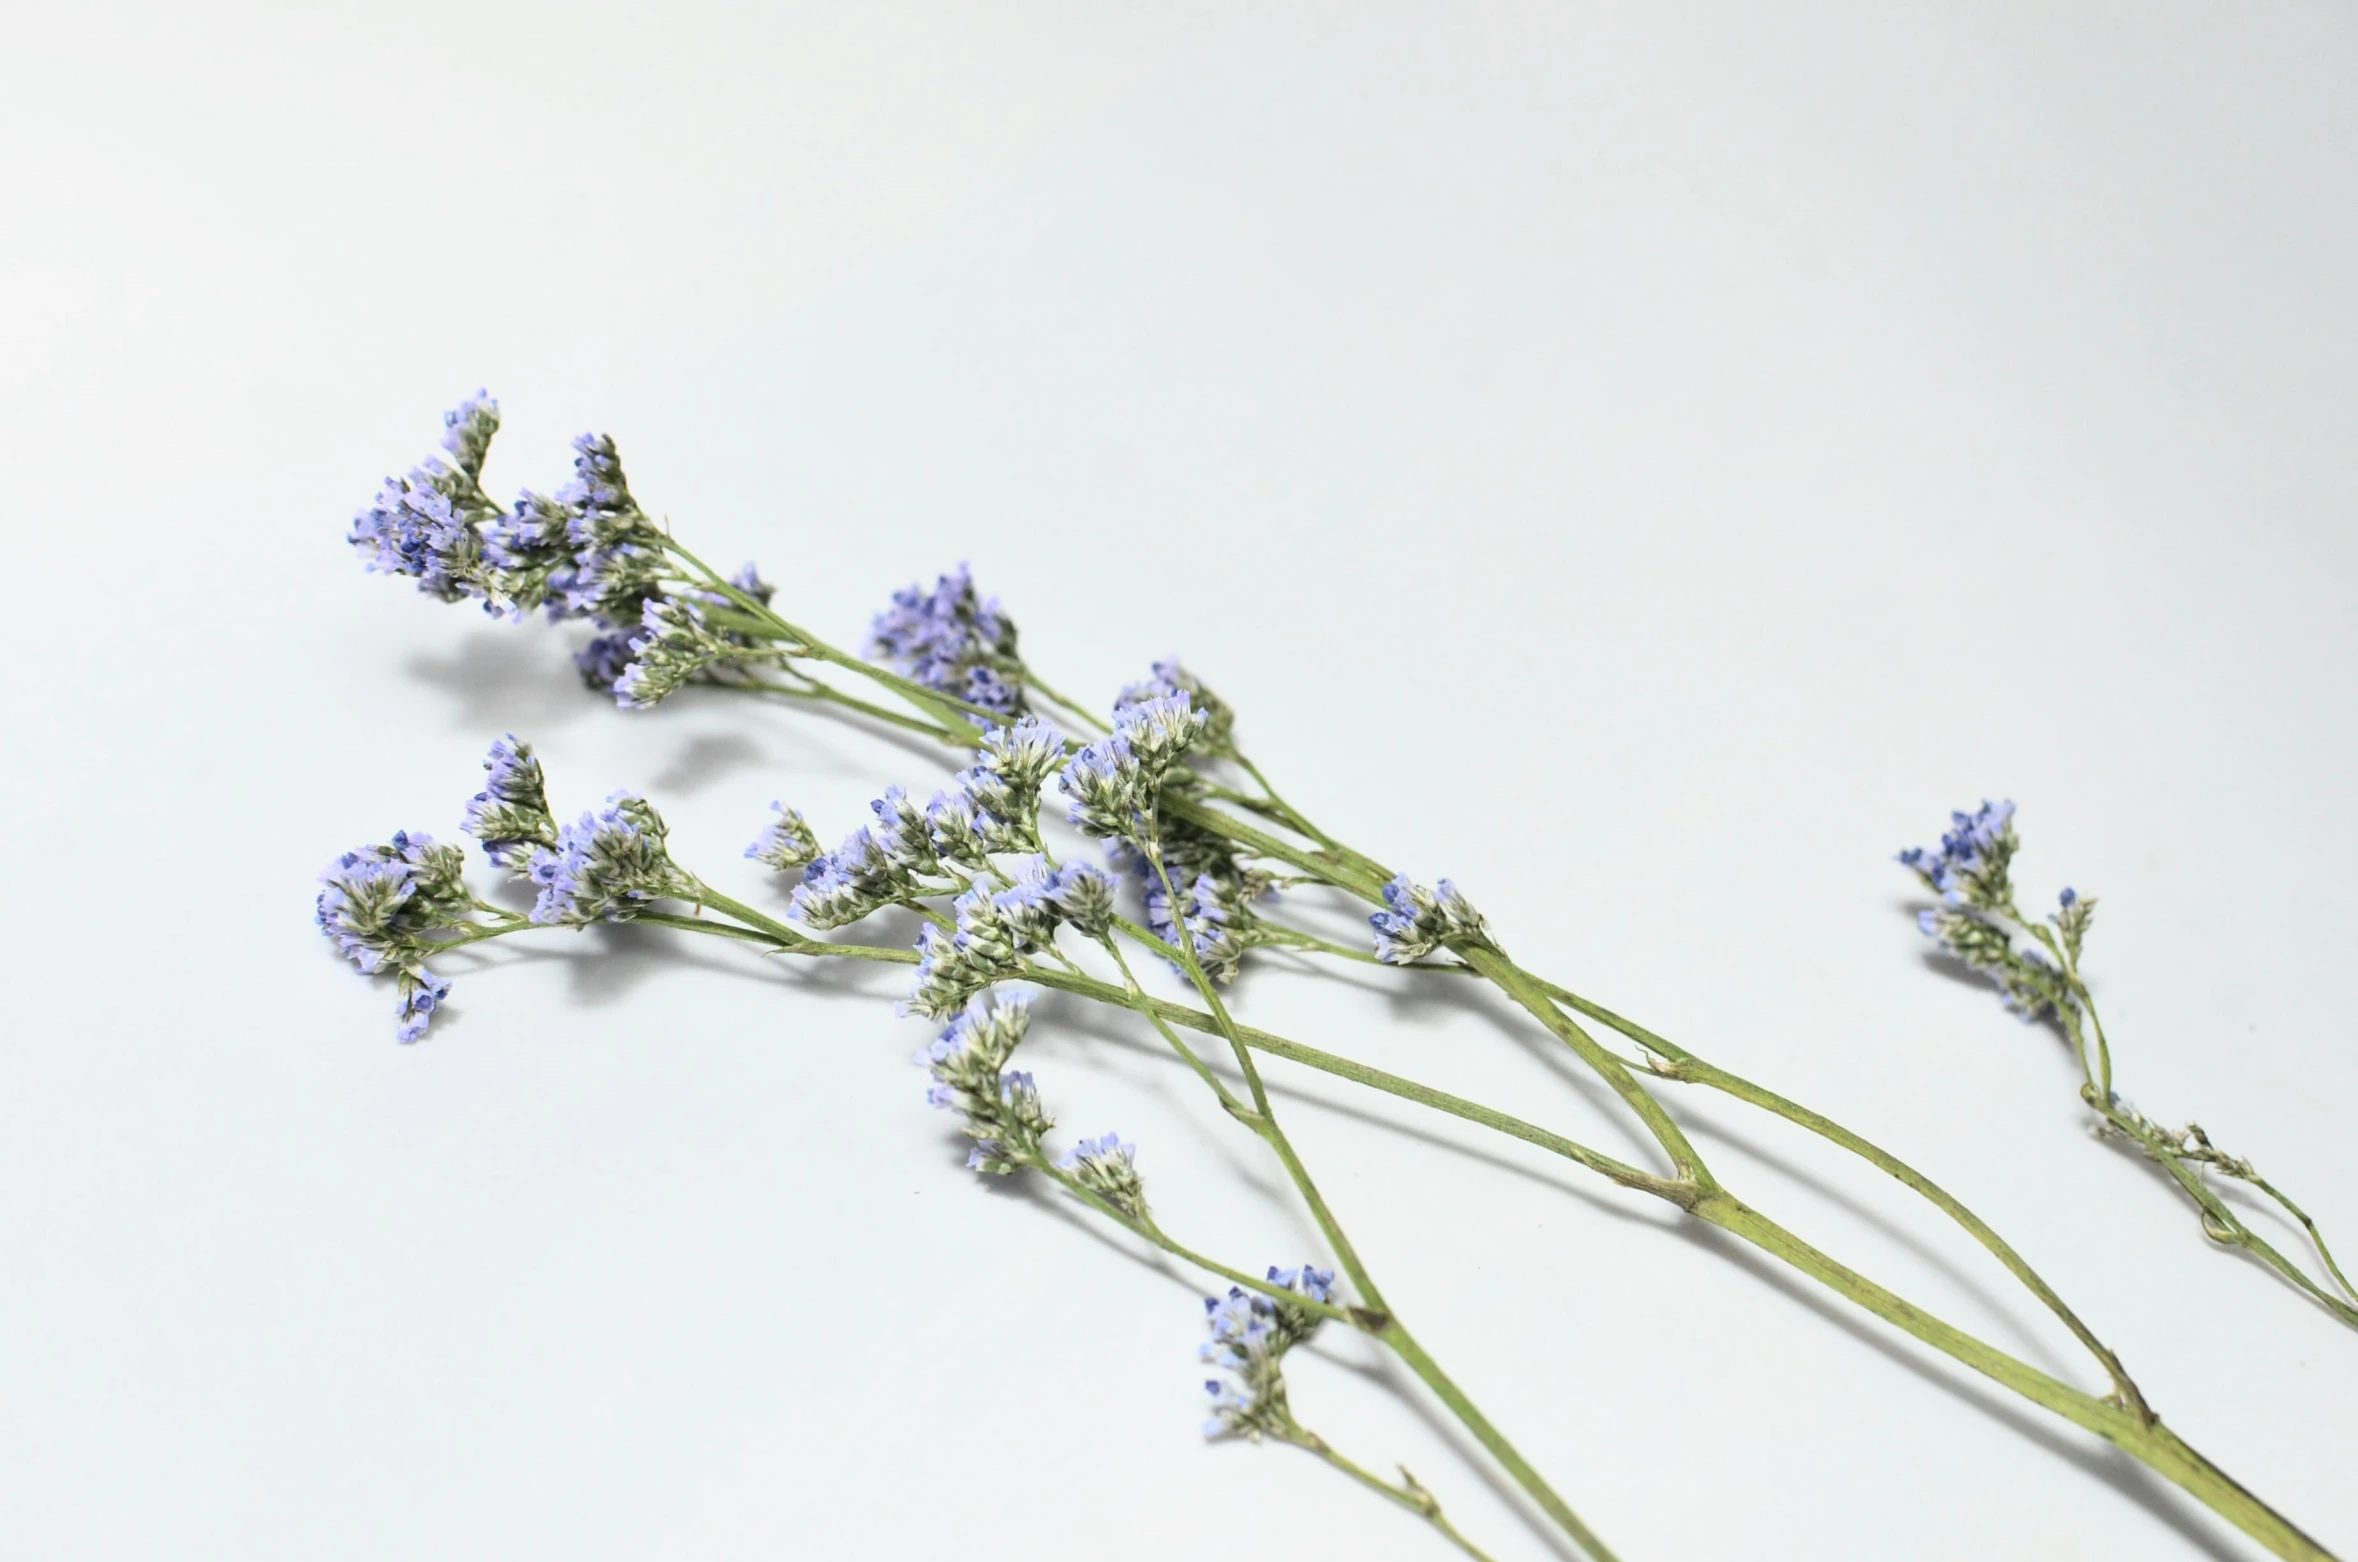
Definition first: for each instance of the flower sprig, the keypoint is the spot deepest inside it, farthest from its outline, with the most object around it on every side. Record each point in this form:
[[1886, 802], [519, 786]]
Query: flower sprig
[[614, 865], [1207, 809], [2036, 965]]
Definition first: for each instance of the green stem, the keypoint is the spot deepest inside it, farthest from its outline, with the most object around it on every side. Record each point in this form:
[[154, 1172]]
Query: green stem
[[1428, 1371], [1286, 811], [951, 713], [1389, 1334], [1682, 1065], [2316, 1237], [2146, 1440], [1519, 985], [1408, 1494], [1695, 1070], [706, 895], [1264, 1117], [1070, 707], [2218, 1222], [1145, 1227], [1371, 1313], [2131, 1426], [1139, 1001], [2127, 1427], [2221, 1224], [827, 694], [1345, 1068]]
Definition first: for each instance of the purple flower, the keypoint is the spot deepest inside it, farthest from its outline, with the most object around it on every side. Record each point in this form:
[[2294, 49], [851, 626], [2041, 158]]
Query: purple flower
[[1170, 679], [381, 905], [846, 884], [968, 1063], [1107, 1166], [1421, 920], [420, 526], [1250, 1334], [467, 430], [1970, 868], [674, 644], [606, 866], [952, 642], [1214, 907], [1107, 789], [786, 843], [422, 993], [1084, 895], [510, 816], [587, 552], [603, 661]]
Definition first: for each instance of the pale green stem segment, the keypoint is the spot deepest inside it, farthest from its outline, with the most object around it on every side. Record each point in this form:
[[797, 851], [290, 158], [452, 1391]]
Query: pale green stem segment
[[2132, 1428], [2146, 1440], [1517, 984], [2151, 1443], [2187, 1155], [1679, 1064], [1263, 1118], [1409, 1493], [1371, 1317], [1372, 1313]]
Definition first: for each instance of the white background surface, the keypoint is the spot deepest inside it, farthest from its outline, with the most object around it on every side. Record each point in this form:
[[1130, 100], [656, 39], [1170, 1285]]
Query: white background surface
[[1646, 463]]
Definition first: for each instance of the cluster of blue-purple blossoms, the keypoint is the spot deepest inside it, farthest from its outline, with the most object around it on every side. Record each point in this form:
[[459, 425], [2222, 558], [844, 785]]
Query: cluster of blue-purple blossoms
[[1421, 920], [586, 552], [954, 846], [1171, 679], [1218, 920], [1115, 783], [606, 866], [992, 807], [1250, 1335], [999, 922], [786, 843], [1971, 866], [953, 642], [1116, 786], [382, 907], [1972, 873], [1001, 1106], [510, 816], [1108, 1167], [387, 908]]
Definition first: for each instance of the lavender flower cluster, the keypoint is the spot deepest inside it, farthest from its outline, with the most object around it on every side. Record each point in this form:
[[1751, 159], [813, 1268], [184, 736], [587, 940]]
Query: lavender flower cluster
[[388, 908], [1250, 1335], [1108, 1167], [381, 906], [995, 929], [587, 552], [606, 866], [1977, 921], [1001, 1107], [953, 642], [1421, 920], [991, 807], [510, 816]]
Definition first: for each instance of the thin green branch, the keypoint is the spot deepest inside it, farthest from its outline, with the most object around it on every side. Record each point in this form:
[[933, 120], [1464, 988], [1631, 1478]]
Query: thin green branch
[[1409, 1493]]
